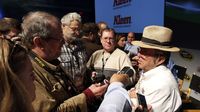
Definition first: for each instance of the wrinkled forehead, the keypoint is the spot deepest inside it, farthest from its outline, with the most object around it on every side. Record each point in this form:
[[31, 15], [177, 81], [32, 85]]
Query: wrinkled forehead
[[107, 33]]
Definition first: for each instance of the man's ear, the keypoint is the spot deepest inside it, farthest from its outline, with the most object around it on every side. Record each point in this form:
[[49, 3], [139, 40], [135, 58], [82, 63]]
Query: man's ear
[[91, 36], [101, 40], [38, 42], [161, 60]]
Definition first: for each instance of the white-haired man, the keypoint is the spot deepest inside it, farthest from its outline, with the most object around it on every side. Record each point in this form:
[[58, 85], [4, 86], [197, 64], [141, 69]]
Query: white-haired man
[[73, 55]]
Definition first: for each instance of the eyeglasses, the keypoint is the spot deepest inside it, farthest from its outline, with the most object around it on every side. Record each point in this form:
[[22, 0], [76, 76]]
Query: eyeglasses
[[74, 29], [107, 38]]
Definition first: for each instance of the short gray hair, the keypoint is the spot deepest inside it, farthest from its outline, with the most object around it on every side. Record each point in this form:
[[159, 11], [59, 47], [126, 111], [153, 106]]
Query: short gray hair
[[66, 19], [37, 24]]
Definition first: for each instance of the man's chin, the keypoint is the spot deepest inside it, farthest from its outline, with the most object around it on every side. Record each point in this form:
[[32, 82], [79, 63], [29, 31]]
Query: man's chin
[[109, 50]]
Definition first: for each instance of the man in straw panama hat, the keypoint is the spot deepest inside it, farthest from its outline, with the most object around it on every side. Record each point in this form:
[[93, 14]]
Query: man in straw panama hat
[[156, 82]]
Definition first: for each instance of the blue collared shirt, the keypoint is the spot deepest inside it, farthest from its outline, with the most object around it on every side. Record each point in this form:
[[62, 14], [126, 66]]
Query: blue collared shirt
[[131, 48], [116, 99]]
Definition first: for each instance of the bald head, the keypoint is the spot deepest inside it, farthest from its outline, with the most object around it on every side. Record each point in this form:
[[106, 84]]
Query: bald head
[[131, 37]]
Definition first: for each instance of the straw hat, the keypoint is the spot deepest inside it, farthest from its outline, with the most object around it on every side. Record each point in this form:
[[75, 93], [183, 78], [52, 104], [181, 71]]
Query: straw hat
[[156, 37]]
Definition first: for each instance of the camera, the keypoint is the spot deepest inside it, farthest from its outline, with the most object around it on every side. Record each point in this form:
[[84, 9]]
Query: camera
[[107, 74]]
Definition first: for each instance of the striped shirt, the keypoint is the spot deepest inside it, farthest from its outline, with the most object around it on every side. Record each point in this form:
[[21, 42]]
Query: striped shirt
[[73, 59]]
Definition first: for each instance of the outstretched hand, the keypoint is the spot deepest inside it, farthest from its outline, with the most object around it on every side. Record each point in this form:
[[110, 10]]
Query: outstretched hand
[[123, 78], [98, 89]]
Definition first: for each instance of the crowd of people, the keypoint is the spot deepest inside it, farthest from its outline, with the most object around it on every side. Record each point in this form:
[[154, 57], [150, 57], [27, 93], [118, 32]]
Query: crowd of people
[[63, 65]]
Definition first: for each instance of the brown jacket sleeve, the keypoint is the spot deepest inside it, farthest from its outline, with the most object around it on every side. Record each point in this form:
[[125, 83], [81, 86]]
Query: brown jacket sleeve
[[44, 102], [74, 104]]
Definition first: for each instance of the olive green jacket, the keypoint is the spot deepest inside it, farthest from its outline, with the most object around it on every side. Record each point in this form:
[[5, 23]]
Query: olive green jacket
[[52, 94]]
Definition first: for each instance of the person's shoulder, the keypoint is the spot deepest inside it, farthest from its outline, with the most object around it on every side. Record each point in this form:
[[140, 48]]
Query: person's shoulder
[[98, 52], [164, 78], [120, 52]]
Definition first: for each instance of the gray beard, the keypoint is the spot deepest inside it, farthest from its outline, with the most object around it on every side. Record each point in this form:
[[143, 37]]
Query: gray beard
[[71, 39]]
